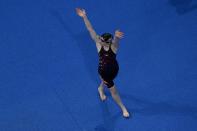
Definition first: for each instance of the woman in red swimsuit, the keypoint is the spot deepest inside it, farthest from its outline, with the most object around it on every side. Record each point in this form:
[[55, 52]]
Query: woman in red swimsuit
[[107, 47]]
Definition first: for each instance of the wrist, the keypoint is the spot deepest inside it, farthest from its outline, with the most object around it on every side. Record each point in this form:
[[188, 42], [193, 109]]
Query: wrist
[[84, 17]]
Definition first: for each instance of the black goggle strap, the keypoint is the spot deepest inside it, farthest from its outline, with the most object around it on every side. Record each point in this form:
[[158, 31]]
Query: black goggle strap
[[108, 41]]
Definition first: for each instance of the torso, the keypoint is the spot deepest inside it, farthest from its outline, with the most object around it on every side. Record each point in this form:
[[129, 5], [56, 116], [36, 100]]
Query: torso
[[107, 56], [108, 65]]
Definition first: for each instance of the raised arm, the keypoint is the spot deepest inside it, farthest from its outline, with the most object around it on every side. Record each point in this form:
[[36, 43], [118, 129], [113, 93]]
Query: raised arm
[[82, 13], [118, 35]]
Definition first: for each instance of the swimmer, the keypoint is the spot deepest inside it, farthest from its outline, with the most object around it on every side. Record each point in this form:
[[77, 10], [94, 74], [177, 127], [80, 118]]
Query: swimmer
[[107, 46]]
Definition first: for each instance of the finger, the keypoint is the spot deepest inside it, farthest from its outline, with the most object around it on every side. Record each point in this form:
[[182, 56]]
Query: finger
[[121, 36], [84, 11], [120, 33], [78, 9]]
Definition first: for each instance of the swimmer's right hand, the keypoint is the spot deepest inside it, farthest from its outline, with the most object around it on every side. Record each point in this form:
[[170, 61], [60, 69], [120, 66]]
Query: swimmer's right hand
[[81, 12]]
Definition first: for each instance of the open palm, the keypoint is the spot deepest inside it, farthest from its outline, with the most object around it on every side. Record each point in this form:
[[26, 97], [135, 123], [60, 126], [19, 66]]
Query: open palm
[[119, 34], [81, 12]]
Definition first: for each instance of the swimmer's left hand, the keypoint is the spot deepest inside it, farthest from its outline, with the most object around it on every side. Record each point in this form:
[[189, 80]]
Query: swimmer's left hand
[[119, 34]]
